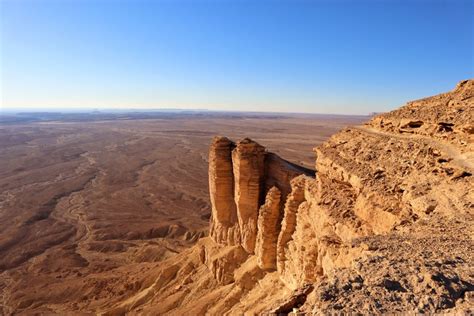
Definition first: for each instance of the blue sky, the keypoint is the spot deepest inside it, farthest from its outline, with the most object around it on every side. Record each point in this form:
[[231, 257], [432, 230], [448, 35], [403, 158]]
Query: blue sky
[[351, 57]]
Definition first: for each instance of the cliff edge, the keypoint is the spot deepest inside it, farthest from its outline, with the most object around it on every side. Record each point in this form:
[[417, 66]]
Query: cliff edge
[[384, 224]]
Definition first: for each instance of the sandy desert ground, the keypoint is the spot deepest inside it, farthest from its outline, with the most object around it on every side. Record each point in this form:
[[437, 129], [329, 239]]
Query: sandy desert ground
[[88, 206]]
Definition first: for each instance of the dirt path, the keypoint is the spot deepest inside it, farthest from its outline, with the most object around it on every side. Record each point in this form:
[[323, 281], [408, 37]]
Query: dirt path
[[459, 159]]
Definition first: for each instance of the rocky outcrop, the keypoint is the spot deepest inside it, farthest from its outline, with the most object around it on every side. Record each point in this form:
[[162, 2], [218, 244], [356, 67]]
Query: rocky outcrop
[[279, 173], [224, 225], [222, 261], [293, 202], [384, 227], [248, 162], [240, 175], [268, 226], [248, 190], [371, 180], [447, 116]]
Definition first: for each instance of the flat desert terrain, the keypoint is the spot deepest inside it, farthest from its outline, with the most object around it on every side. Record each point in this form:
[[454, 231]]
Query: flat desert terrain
[[89, 204]]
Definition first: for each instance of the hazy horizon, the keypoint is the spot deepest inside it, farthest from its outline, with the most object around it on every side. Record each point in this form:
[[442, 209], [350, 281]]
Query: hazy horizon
[[144, 110], [323, 57]]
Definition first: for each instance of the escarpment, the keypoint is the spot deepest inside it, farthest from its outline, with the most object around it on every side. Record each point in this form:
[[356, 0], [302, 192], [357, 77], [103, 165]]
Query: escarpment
[[224, 227], [384, 225], [267, 237], [240, 175], [248, 163], [447, 116]]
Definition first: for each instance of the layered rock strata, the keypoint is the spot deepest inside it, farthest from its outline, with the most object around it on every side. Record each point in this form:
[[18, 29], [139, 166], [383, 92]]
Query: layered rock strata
[[240, 175], [224, 226], [384, 227], [248, 163], [269, 215]]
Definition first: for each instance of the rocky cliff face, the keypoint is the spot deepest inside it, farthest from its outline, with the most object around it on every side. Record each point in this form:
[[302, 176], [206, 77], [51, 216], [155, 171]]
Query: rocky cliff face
[[269, 215], [385, 226], [240, 175], [224, 226], [248, 162]]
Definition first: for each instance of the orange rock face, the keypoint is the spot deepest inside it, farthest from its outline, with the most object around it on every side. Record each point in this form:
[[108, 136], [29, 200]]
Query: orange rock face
[[268, 226], [384, 227], [248, 163], [224, 225], [239, 177], [293, 202]]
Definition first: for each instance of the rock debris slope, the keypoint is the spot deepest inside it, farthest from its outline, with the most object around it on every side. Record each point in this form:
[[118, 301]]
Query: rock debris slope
[[385, 225]]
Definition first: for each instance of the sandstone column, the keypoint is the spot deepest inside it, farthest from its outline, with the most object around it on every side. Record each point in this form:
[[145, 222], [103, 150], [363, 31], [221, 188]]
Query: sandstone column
[[248, 164], [288, 224], [267, 232], [224, 226]]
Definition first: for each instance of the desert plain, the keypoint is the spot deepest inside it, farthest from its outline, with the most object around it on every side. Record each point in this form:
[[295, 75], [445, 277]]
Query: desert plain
[[91, 204]]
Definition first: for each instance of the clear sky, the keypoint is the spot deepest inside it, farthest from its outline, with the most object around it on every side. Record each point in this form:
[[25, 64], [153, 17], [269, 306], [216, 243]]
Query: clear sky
[[349, 57]]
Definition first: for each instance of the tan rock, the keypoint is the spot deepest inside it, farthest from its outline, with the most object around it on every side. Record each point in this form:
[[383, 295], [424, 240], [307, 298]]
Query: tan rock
[[387, 219], [268, 230], [224, 225], [279, 173], [224, 261], [248, 165], [295, 198]]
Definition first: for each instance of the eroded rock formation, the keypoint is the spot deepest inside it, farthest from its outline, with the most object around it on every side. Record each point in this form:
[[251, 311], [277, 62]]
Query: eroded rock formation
[[224, 226], [249, 170], [240, 175], [385, 226], [268, 225]]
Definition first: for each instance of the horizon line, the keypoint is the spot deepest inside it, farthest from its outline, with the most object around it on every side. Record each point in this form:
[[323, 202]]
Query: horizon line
[[20, 110]]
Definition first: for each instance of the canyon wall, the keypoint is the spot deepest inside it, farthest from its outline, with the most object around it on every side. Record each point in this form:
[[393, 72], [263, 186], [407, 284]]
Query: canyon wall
[[224, 226], [244, 178], [385, 224]]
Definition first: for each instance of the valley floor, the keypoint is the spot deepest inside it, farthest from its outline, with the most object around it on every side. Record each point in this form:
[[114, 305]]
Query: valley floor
[[89, 209]]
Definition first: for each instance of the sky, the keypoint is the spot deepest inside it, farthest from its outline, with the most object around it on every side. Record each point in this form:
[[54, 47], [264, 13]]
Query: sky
[[341, 57]]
